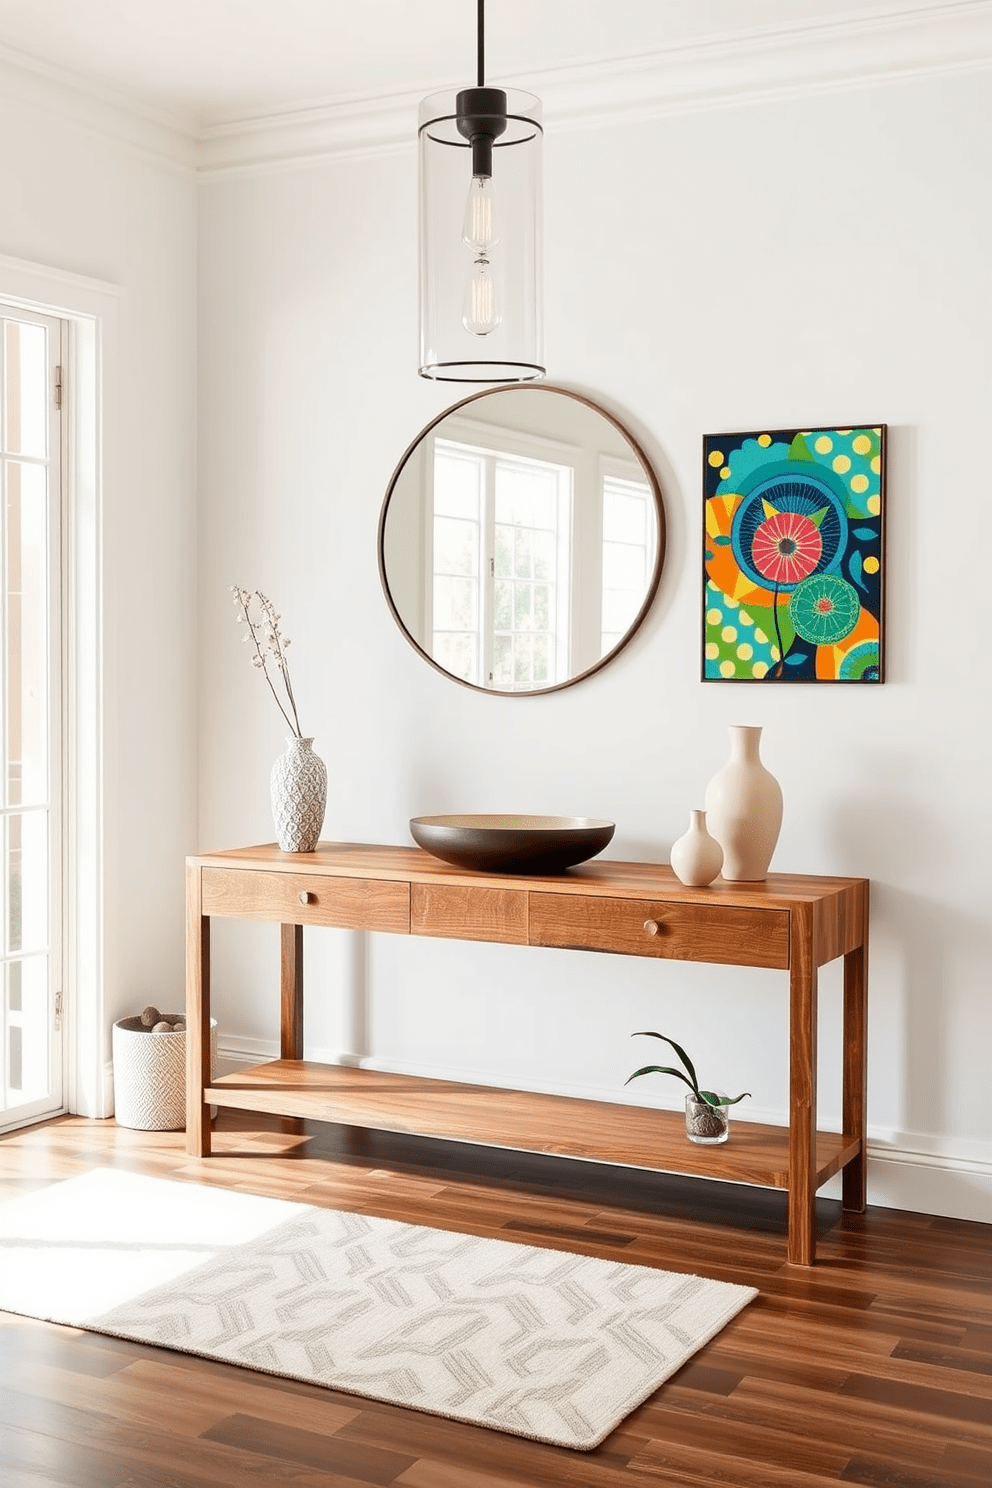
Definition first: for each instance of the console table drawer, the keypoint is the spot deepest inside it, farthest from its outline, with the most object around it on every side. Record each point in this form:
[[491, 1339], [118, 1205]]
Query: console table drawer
[[469, 914], [305, 899], [642, 927]]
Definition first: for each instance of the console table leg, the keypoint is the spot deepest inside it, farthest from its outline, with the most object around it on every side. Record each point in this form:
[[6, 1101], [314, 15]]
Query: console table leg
[[291, 984], [855, 1179], [198, 1071], [802, 1090]]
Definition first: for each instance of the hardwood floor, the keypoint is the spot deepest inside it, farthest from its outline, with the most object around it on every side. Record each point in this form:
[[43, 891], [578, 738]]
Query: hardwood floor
[[874, 1367]]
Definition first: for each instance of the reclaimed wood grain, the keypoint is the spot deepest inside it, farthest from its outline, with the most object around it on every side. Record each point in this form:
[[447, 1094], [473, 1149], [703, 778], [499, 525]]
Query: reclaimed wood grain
[[458, 912], [291, 992], [727, 935], [599, 876], [351, 903], [526, 1120], [855, 1065], [802, 1182]]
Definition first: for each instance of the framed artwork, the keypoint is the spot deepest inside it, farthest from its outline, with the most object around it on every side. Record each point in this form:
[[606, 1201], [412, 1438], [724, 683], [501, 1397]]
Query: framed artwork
[[793, 560]]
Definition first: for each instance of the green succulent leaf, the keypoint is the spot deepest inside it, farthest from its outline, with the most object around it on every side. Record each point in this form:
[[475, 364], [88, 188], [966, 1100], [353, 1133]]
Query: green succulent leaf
[[708, 1097], [692, 1081], [660, 1069]]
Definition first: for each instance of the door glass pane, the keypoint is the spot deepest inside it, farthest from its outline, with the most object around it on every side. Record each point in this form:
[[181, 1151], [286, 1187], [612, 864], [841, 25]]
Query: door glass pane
[[503, 660], [26, 1063], [529, 630], [455, 604], [457, 483], [15, 894], [456, 546], [27, 871], [26, 384], [26, 634], [457, 655]]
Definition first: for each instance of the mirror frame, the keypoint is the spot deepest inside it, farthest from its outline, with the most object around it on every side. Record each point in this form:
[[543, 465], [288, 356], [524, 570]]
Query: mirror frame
[[659, 562]]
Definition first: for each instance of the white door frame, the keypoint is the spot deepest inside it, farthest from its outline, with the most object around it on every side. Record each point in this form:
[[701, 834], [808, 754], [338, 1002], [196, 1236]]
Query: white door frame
[[90, 376], [53, 1100]]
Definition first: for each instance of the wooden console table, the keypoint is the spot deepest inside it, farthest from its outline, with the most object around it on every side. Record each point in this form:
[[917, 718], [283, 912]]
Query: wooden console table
[[790, 922]]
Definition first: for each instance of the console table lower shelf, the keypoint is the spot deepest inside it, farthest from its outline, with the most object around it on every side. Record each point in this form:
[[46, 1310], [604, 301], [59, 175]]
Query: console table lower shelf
[[524, 1121]]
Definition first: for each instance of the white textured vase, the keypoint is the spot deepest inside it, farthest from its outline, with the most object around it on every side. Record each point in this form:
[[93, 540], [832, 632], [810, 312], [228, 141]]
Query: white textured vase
[[744, 809], [696, 858], [299, 796]]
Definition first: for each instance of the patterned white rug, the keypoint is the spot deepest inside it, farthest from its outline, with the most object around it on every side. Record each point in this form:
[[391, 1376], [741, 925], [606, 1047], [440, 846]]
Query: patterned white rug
[[539, 1343]]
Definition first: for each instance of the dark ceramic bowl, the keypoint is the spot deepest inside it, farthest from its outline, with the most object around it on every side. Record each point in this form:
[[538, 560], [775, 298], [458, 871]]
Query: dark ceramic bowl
[[512, 844]]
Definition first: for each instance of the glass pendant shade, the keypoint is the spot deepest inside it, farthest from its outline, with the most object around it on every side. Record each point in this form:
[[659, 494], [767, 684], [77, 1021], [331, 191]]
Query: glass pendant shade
[[480, 242]]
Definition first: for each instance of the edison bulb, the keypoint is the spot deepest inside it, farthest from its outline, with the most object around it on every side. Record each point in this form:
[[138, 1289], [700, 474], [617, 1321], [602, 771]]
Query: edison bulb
[[480, 228], [480, 310]]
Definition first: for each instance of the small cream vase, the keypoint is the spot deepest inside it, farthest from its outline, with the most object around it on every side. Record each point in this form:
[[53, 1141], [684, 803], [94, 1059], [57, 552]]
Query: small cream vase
[[696, 858], [744, 809]]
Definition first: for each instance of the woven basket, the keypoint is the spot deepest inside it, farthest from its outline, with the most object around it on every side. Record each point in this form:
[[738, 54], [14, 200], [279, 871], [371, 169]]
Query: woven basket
[[150, 1075]]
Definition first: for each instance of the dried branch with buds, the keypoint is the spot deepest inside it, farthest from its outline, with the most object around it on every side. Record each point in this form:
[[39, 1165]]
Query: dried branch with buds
[[270, 646]]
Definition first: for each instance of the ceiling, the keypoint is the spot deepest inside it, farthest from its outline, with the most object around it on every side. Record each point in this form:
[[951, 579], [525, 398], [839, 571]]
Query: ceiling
[[204, 62]]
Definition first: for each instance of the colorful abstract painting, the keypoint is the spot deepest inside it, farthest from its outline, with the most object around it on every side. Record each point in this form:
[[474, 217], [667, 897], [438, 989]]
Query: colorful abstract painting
[[793, 560]]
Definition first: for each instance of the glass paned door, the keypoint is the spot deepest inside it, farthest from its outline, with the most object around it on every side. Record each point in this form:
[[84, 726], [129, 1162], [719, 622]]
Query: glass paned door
[[30, 694]]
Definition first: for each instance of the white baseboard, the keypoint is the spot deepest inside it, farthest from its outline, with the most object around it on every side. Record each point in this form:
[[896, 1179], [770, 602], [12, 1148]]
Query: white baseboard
[[928, 1183], [904, 1172]]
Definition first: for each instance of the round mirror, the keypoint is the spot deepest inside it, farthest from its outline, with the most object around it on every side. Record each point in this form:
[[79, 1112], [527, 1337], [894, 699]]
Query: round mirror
[[521, 539]]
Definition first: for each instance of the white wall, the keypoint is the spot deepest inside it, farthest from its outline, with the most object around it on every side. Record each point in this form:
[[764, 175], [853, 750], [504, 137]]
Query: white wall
[[87, 190], [807, 261]]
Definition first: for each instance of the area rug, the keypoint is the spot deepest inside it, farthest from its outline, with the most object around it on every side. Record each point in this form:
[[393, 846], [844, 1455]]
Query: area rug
[[539, 1343]]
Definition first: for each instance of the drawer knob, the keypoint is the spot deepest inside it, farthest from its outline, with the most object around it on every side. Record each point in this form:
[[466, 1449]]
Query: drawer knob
[[305, 897], [652, 927]]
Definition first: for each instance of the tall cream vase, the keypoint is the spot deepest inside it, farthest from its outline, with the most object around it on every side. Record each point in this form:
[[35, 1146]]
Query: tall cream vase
[[744, 809]]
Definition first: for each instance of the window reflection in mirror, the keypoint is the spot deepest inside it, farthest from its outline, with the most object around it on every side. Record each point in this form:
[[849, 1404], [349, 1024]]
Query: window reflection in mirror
[[521, 539]]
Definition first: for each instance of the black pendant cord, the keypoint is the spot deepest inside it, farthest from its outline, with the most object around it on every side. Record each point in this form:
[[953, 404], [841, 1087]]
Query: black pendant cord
[[480, 112], [481, 39]]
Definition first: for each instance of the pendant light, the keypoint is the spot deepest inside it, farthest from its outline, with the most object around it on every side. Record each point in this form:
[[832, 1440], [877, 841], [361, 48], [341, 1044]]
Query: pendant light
[[480, 232]]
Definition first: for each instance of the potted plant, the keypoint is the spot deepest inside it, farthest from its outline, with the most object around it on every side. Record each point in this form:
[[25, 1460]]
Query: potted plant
[[707, 1114]]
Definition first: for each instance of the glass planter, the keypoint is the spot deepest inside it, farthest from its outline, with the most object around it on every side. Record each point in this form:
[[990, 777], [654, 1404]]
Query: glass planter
[[704, 1123]]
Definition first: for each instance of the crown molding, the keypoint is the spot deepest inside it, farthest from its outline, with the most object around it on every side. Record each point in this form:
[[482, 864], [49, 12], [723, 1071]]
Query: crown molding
[[896, 43], [308, 134], [780, 63], [890, 46], [156, 135]]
